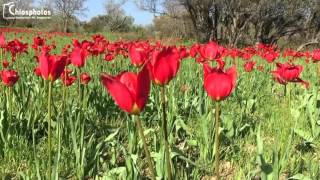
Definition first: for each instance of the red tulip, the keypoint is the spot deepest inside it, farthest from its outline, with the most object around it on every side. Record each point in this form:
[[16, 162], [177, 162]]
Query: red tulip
[[129, 90], [78, 56], [5, 63], [292, 53], [307, 54], [246, 56], [219, 84], [288, 73], [138, 54], [234, 53], [270, 56], [85, 78], [183, 52], [66, 79], [194, 50], [164, 65], [16, 47], [248, 66], [9, 77], [210, 51], [316, 55], [51, 66], [2, 40], [38, 42], [97, 47], [109, 57], [37, 71]]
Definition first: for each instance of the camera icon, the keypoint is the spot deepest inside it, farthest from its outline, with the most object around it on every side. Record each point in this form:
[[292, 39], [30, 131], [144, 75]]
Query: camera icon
[[8, 10]]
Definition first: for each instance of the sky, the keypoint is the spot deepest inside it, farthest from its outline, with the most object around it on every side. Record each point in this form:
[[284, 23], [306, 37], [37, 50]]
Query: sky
[[96, 7]]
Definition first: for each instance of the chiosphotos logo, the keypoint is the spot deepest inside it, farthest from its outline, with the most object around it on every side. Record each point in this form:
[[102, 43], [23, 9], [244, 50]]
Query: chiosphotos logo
[[10, 11]]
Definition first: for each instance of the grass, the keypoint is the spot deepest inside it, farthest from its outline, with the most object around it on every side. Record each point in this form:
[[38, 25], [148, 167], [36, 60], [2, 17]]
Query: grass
[[263, 133]]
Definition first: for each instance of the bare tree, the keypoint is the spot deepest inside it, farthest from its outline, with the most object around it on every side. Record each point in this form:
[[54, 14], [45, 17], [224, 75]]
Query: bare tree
[[115, 17], [246, 21], [67, 9], [152, 5], [113, 20], [204, 14]]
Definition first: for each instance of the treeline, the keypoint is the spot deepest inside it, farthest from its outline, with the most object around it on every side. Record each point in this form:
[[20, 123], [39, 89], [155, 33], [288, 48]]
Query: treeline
[[238, 22], [66, 13], [230, 22]]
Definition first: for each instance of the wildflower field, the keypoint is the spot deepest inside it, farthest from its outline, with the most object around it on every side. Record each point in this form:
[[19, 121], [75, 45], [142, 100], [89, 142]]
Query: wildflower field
[[85, 107]]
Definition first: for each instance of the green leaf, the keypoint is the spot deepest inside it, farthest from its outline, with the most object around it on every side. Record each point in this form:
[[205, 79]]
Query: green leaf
[[300, 177], [259, 141], [304, 135], [112, 135]]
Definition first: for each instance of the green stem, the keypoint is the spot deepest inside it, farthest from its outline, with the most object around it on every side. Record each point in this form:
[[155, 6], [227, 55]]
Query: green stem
[[150, 162], [17, 63], [165, 133], [10, 105], [101, 61], [318, 73], [64, 94], [216, 140], [83, 100], [82, 124], [79, 86], [49, 128], [289, 96], [82, 120]]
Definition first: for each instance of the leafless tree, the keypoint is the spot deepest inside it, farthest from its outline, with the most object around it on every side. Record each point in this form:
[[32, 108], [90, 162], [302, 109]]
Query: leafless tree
[[203, 14], [115, 15], [67, 9], [246, 21]]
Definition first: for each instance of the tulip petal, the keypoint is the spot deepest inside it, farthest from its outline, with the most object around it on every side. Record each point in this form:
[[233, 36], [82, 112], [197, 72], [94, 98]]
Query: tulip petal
[[58, 66], [119, 92], [2, 39], [174, 62], [300, 69], [44, 65], [129, 79], [143, 88], [150, 68], [278, 77], [232, 72], [206, 69], [304, 83], [78, 57], [218, 86], [137, 54], [162, 71]]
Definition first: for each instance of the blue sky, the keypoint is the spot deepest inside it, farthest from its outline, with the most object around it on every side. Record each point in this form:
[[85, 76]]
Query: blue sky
[[96, 7]]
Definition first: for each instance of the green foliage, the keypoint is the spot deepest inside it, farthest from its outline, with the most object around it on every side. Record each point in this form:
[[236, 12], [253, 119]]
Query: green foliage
[[262, 135]]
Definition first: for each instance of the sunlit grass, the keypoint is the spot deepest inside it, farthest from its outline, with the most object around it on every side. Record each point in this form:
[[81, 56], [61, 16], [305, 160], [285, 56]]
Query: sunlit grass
[[257, 101]]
